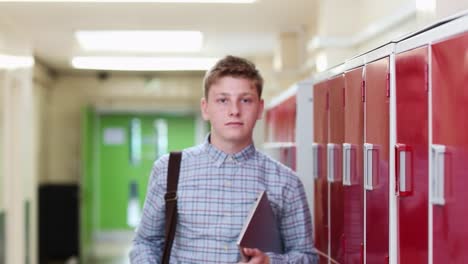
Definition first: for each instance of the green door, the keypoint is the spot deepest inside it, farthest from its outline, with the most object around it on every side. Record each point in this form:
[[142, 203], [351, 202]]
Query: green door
[[128, 146]]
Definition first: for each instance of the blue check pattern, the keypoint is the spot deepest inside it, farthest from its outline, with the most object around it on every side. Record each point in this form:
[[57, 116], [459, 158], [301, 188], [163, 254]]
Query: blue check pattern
[[215, 194]]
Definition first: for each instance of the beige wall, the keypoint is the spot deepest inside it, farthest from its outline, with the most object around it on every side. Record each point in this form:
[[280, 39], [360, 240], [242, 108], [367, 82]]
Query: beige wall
[[447, 8], [18, 138], [2, 127], [19, 175], [348, 28], [41, 94]]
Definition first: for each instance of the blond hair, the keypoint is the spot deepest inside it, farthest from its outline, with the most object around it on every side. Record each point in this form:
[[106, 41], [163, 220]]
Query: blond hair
[[234, 67]]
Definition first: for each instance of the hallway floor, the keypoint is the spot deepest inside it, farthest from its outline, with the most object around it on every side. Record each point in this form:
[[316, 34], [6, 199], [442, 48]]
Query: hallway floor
[[112, 248]]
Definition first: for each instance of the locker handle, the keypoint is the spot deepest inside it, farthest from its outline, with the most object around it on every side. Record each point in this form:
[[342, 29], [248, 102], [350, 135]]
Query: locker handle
[[332, 150], [404, 170], [370, 170], [348, 150], [315, 160], [438, 154]]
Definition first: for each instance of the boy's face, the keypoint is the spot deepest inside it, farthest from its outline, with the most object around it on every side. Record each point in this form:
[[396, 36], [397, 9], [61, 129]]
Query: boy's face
[[233, 107]]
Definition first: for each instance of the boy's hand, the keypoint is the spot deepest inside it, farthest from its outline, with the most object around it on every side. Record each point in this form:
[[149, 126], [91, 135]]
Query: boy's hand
[[256, 256]]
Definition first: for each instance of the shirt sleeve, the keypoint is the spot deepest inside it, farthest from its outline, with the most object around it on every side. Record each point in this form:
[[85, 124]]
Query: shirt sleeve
[[296, 229], [149, 238]]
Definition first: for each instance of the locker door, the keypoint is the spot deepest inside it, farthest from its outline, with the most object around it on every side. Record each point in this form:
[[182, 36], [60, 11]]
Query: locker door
[[411, 155], [335, 139], [291, 106], [275, 119], [278, 124], [352, 168], [291, 110], [293, 158], [283, 122], [449, 150], [269, 126], [320, 169], [288, 156], [287, 109], [376, 159]]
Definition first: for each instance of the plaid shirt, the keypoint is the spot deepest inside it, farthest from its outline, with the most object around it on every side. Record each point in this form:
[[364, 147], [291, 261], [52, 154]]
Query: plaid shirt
[[215, 194]]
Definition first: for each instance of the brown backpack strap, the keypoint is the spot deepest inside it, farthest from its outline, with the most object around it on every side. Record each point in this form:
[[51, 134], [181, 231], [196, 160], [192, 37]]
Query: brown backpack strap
[[171, 203]]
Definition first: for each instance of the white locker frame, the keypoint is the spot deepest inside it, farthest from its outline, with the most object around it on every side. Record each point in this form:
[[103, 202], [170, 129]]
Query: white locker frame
[[304, 116], [304, 136]]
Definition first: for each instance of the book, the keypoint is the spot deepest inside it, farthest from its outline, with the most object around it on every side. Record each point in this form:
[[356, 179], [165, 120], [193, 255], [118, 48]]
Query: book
[[261, 229]]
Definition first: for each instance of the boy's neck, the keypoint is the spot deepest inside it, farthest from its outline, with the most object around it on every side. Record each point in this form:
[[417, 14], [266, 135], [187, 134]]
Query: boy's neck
[[229, 147]]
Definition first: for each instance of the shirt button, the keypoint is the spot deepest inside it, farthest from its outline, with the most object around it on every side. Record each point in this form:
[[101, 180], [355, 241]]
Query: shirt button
[[227, 183], [226, 247]]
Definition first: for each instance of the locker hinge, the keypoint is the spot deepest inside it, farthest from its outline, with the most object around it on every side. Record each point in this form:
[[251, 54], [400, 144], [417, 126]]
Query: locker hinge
[[363, 90], [388, 85]]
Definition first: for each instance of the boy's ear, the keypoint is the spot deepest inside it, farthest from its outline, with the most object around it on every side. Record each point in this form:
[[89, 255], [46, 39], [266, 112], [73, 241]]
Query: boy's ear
[[203, 107]]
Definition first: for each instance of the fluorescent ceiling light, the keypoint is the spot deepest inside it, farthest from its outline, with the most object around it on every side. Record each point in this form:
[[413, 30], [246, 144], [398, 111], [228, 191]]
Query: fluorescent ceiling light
[[144, 63], [321, 62], [15, 62], [426, 5], [140, 41], [138, 1]]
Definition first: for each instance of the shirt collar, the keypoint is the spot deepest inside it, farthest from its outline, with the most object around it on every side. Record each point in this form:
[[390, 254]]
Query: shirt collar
[[219, 157]]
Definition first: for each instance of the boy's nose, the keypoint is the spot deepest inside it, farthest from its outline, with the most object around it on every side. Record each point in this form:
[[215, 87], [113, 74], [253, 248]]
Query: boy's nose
[[234, 110]]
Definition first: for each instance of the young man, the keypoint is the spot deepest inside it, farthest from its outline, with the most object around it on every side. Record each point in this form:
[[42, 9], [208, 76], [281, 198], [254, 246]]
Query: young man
[[220, 180]]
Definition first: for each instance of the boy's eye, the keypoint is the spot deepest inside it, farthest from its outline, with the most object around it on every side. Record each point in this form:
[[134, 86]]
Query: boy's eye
[[221, 100], [246, 100]]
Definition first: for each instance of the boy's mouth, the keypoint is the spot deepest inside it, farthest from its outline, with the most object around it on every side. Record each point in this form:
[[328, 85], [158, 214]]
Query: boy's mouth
[[234, 124]]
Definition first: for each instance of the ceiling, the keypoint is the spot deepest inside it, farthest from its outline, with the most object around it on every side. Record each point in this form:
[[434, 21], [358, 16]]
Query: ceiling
[[239, 29]]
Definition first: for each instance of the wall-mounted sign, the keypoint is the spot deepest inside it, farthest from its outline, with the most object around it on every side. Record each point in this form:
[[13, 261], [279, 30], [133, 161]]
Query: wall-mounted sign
[[114, 136]]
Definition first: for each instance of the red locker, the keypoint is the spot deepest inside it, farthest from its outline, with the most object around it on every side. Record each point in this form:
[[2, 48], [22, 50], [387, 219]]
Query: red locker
[[279, 120], [287, 119], [353, 192], [288, 157], [320, 93], [269, 125], [291, 108], [281, 124], [411, 155], [449, 150], [334, 159], [376, 160], [287, 128]]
